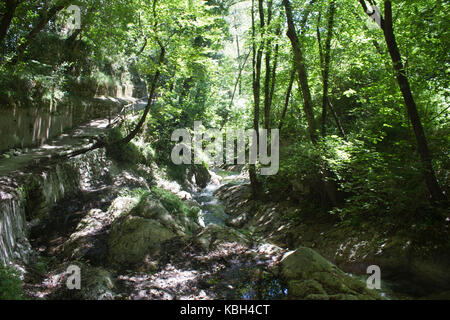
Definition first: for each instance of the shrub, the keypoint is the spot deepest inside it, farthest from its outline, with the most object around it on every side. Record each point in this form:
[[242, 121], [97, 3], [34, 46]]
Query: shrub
[[10, 284]]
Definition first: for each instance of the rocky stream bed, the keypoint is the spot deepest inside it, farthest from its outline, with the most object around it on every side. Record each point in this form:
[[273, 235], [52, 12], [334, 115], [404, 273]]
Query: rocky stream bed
[[135, 233]]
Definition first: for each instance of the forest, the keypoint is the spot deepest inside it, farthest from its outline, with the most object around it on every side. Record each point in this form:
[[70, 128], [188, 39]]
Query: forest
[[224, 150]]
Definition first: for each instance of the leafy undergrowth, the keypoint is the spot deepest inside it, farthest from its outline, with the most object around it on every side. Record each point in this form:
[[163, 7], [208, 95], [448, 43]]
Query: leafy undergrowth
[[10, 284]]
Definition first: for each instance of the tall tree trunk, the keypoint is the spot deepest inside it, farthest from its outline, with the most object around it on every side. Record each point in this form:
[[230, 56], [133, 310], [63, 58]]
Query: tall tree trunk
[[257, 61], [325, 58], [11, 6], [302, 72], [238, 80], [405, 88], [329, 187], [274, 69], [268, 46]]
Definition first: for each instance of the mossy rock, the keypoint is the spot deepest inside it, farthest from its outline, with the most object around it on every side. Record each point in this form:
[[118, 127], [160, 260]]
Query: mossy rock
[[178, 221], [98, 285], [134, 237], [310, 276]]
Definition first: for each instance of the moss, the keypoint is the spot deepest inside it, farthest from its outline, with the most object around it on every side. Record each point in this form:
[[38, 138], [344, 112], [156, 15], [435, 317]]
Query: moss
[[305, 288], [309, 274], [172, 203], [42, 265]]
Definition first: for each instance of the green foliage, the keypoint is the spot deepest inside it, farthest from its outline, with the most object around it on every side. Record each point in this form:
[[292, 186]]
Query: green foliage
[[10, 284], [171, 202], [42, 264], [376, 169], [123, 153]]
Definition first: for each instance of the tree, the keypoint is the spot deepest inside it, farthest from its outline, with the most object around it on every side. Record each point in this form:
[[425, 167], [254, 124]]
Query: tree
[[300, 64], [386, 24], [256, 81], [44, 17], [10, 10], [325, 58]]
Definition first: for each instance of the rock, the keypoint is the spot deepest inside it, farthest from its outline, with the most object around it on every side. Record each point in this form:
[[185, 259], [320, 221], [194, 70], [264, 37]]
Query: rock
[[135, 237], [184, 195], [202, 175], [305, 288], [215, 178], [179, 224], [83, 242], [86, 241], [239, 221], [141, 231], [122, 206], [96, 284], [310, 276], [214, 235]]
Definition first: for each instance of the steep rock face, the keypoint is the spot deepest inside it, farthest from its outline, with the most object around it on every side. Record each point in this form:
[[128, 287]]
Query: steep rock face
[[13, 242], [312, 277], [28, 197]]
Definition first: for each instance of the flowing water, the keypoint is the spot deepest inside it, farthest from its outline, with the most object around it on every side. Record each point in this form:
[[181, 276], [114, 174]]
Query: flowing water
[[243, 279]]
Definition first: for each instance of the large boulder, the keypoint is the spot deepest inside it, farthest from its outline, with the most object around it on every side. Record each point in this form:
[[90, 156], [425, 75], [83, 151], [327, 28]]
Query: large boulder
[[134, 237], [311, 277], [177, 222], [88, 240], [140, 233]]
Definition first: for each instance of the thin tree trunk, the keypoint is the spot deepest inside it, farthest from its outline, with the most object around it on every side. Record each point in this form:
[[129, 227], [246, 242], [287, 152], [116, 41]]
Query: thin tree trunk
[[287, 99], [141, 122], [257, 61], [274, 69], [268, 71], [325, 59], [239, 61], [302, 72], [405, 88], [336, 119], [241, 68]]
